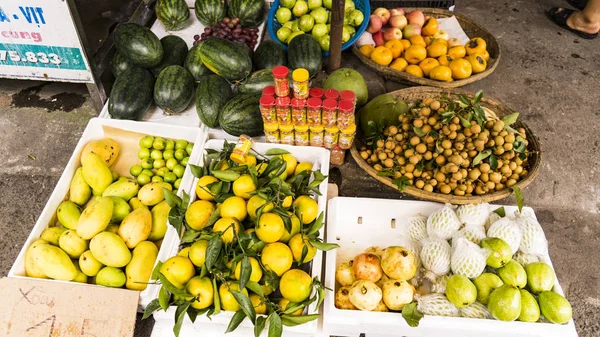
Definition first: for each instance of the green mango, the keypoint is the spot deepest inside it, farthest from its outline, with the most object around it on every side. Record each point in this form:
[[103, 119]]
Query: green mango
[[136, 227], [120, 210], [124, 189], [52, 234], [72, 244], [95, 218], [138, 271], [109, 249], [96, 173], [81, 277], [88, 264], [160, 215], [79, 190], [53, 262], [152, 193], [68, 214], [111, 277]]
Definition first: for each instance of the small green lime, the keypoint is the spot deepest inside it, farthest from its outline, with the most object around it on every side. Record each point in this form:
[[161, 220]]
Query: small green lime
[[135, 170], [179, 170], [156, 154], [147, 163], [143, 153], [171, 163], [146, 142], [180, 144], [170, 177], [159, 163], [143, 179], [189, 148], [157, 179], [159, 143]]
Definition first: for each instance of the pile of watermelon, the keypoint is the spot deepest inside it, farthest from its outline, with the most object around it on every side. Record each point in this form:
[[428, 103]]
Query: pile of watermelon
[[228, 76]]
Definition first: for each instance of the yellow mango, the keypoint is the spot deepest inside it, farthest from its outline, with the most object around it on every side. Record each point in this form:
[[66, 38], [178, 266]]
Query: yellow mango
[[96, 173], [53, 262], [160, 214], [152, 193], [95, 218], [106, 149], [124, 189], [114, 228], [109, 249], [88, 264], [120, 210], [68, 214], [81, 277], [79, 191], [138, 271], [72, 244], [31, 269], [52, 234], [136, 227], [135, 203], [111, 277]]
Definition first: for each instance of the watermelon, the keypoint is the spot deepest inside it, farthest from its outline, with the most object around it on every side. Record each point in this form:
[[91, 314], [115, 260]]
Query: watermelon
[[257, 81], [131, 94], [250, 12], [120, 63], [212, 94], [138, 44], [241, 115], [269, 55], [226, 58], [304, 52], [174, 89], [173, 14], [193, 63], [348, 79], [210, 12], [381, 112], [175, 51]]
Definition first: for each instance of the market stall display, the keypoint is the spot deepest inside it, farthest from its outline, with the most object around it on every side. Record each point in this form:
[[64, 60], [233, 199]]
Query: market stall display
[[428, 157], [420, 50]]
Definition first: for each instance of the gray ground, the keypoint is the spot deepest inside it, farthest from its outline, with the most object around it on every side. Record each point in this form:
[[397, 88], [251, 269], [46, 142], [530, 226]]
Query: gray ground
[[546, 73]]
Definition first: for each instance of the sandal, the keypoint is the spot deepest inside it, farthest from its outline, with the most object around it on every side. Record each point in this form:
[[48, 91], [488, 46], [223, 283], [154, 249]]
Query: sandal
[[560, 17], [579, 4]]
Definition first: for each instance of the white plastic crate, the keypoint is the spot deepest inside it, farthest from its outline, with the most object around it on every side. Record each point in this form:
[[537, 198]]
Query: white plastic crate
[[358, 223], [217, 325], [97, 129]]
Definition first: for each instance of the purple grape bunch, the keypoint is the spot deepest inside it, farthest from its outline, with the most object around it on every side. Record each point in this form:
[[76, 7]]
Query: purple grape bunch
[[230, 29]]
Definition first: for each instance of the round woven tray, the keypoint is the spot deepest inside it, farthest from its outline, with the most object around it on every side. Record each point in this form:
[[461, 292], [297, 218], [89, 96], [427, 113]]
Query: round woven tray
[[417, 93], [472, 30]]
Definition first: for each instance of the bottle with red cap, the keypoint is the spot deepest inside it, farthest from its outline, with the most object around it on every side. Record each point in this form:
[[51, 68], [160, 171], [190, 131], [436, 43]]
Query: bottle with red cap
[[316, 93], [268, 91], [313, 111], [282, 81], [284, 113], [330, 108], [348, 95], [267, 109], [345, 114], [332, 94], [299, 111]]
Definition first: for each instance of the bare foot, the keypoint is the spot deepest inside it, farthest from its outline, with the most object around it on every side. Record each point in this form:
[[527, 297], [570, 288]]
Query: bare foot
[[579, 21]]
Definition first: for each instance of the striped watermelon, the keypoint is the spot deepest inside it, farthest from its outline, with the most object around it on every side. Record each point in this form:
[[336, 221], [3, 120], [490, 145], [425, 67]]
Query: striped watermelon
[[241, 115], [226, 58], [269, 54], [175, 51], [138, 44], [210, 12], [193, 63], [173, 14], [257, 81], [250, 12], [212, 94], [120, 63], [131, 94], [174, 89], [304, 52]]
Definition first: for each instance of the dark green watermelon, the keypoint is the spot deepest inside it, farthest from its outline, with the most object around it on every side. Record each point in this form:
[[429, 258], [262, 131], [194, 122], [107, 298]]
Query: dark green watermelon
[[210, 12], [131, 94], [250, 12], [175, 51], [304, 52], [138, 44], [226, 58], [212, 94], [269, 55], [120, 63], [256, 82], [174, 89], [173, 14], [193, 63], [241, 115]]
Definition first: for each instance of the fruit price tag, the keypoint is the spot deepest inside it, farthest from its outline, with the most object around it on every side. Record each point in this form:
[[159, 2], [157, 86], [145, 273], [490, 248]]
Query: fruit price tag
[[36, 308]]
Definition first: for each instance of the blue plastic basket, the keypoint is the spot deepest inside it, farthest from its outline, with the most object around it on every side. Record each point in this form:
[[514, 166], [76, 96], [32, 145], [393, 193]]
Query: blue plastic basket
[[362, 5]]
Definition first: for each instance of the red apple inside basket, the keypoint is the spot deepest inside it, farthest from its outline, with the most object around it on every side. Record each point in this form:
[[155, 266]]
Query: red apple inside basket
[[375, 24], [383, 13], [392, 34]]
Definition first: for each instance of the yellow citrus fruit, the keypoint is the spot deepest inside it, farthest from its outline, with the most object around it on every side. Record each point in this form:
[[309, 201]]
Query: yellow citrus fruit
[[295, 285], [399, 64], [417, 40], [224, 165], [228, 302], [250, 230], [227, 226], [254, 204], [445, 60], [197, 252], [295, 228], [297, 244], [178, 270], [405, 43], [202, 289], [427, 64], [441, 73], [437, 49], [382, 56], [283, 303], [260, 307], [291, 163], [478, 63], [270, 227], [185, 252], [457, 52], [243, 185], [250, 160], [303, 166], [415, 54], [234, 207], [277, 257], [306, 208], [256, 273], [202, 191], [461, 69], [261, 168], [267, 290], [367, 50], [198, 213], [287, 201]]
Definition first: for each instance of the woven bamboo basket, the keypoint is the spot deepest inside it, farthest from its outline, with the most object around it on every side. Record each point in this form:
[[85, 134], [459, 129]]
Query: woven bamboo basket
[[493, 109], [472, 30]]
